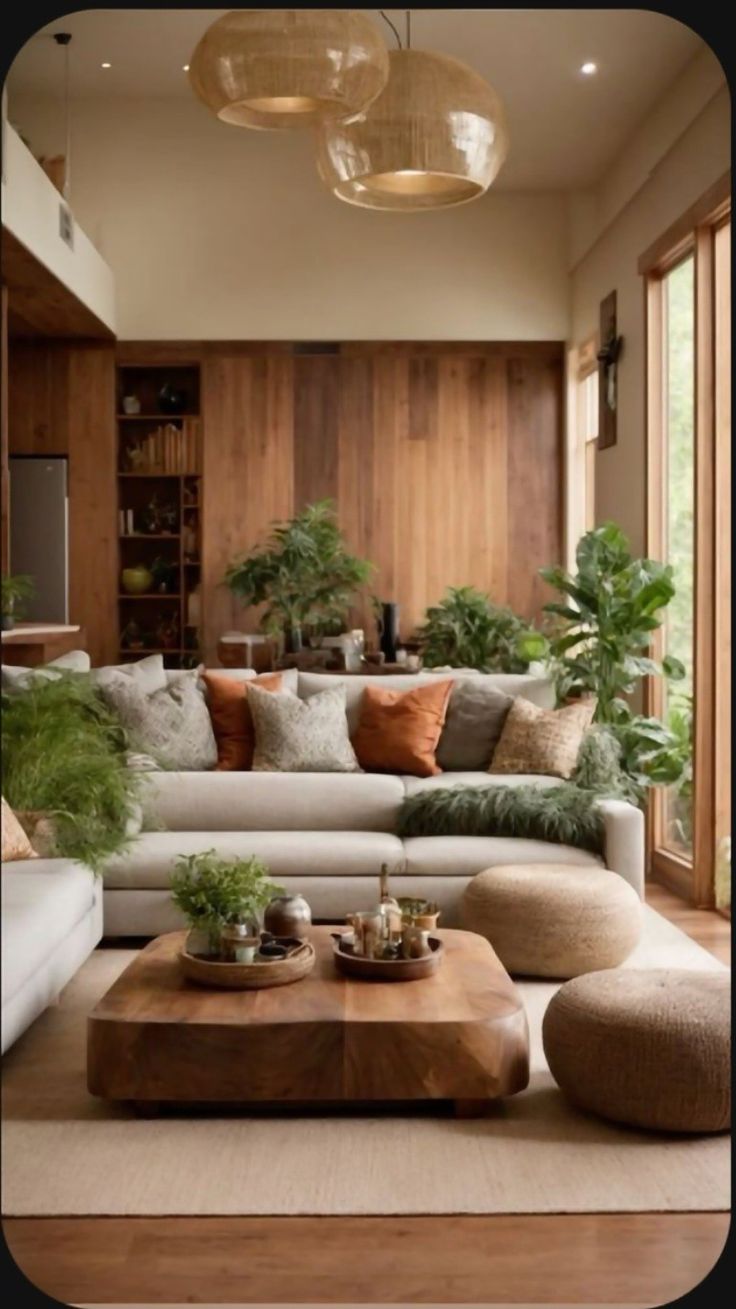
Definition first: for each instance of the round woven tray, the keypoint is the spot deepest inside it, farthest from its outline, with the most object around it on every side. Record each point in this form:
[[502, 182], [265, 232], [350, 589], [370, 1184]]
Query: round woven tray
[[248, 977], [388, 970]]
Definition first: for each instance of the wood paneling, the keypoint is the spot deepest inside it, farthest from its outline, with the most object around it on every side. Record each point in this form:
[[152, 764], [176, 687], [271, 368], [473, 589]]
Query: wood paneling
[[444, 461], [62, 402], [38, 303], [4, 516]]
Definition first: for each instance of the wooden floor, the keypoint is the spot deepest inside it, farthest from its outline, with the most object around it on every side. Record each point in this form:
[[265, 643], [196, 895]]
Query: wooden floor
[[619, 1259]]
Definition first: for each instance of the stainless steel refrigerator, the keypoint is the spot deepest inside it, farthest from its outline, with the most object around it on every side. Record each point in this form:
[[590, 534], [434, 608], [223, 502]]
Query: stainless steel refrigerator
[[39, 533]]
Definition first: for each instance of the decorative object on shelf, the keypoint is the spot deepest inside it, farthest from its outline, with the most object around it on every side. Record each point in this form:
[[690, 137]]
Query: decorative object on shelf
[[172, 399], [131, 637], [608, 357], [137, 580], [436, 136], [303, 573], [194, 607], [166, 632], [165, 573], [285, 68], [288, 915], [190, 537], [388, 630], [131, 405], [214, 892], [15, 591]]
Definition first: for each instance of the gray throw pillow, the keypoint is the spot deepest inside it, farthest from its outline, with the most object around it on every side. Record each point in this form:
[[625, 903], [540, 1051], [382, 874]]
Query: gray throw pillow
[[173, 726], [476, 714], [148, 674], [301, 736]]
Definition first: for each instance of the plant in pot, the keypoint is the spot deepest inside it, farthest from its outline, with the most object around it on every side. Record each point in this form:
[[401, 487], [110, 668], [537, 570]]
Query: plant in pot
[[606, 617], [466, 630], [65, 772], [303, 574], [164, 573], [15, 591], [214, 892]]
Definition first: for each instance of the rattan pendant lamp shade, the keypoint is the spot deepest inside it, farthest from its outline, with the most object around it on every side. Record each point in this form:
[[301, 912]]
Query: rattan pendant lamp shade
[[435, 137], [282, 68]]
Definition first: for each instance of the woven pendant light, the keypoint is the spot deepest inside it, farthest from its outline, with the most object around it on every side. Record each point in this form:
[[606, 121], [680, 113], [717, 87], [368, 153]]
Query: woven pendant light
[[269, 68], [435, 137]]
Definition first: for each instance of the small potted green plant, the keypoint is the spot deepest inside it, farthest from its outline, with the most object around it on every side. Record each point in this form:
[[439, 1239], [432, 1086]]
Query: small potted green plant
[[467, 630], [15, 591], [214, 892]]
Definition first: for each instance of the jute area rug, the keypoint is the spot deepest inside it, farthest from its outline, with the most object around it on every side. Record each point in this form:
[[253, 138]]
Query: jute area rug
[[66, 1153]]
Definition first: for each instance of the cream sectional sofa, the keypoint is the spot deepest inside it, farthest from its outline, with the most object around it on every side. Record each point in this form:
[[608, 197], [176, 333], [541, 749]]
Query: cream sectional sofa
[[326, 835]]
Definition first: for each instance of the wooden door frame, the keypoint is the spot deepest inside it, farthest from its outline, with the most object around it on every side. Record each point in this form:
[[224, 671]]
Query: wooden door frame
[[692, 234]]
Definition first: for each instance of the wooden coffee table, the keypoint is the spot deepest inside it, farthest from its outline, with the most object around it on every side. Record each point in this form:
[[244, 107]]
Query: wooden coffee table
[[460, 1035]]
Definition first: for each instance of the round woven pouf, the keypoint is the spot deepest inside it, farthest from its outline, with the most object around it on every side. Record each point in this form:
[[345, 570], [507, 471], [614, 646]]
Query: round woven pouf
[[647, 1048], [553, 920]]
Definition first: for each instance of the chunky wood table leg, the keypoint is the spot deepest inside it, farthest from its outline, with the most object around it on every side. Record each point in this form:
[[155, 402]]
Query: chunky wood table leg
[[473, 1108]]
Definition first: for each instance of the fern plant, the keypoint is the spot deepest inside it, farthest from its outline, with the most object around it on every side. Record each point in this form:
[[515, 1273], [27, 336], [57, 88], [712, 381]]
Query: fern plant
[[212, 891], [64, 758]]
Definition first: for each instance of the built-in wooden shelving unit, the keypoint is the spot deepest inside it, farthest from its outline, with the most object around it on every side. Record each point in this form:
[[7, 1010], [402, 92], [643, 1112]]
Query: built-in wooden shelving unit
[[159, 476]]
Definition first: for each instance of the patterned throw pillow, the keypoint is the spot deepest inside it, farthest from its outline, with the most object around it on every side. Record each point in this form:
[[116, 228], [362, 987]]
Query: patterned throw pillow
[[475, 717], [398, 731], [301, 736], [537, 740], [15, 843], [232, 720], [173, 725]]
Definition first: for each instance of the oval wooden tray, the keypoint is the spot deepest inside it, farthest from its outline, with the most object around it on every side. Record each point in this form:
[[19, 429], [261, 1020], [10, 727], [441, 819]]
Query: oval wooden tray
[[388, 970], [248, 977]]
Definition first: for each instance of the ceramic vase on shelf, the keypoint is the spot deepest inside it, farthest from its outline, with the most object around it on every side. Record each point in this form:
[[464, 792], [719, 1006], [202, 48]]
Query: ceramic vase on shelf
[[388, 631], [136, 581]]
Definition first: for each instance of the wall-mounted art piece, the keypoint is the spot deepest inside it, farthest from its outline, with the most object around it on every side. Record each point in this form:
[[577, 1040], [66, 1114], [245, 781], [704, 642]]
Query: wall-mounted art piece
[[608, 358]]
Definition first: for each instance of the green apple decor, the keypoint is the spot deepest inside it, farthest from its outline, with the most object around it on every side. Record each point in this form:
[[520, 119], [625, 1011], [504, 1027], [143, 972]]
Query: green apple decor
[[137, 580]]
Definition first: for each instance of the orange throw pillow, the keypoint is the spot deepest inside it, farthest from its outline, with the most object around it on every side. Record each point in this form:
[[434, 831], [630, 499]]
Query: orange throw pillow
[[232, 721], [398, 731]]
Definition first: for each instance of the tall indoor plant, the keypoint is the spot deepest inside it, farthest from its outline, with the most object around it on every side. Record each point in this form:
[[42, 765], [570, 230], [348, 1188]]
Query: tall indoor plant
[[303, 574], [466, 630], [608, 611]]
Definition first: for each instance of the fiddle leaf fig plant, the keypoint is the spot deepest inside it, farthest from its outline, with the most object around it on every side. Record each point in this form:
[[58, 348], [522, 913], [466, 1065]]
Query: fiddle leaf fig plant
[[466, 630], [605, 619], [303, 574]]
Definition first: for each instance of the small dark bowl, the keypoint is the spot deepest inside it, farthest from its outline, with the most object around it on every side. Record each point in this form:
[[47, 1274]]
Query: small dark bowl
[[269, 950]]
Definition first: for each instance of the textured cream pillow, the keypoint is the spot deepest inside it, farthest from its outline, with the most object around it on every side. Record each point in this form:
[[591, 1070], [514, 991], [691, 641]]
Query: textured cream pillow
[[537, 740], [301, 736], [15, 843]]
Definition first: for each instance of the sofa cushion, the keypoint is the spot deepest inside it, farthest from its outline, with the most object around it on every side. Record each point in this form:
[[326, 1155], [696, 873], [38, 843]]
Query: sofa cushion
[[41, 903], [539, 690], [440, 782], [15, 843], [475, 717], [464, 856], [16, 678], [301, 736], [231, 802], [232, 720], [150, 859], [172, 725], [148, 674], [537, 740], [398, 731]]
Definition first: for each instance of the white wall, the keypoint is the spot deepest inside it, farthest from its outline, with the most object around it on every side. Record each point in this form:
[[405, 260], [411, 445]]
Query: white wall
[[664, 169], [220, 233]]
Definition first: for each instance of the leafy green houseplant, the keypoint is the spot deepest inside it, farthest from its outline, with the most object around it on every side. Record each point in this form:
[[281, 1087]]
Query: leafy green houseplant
[[64, 760], [605, 620], [212, 891], [466, 630], [303, 574], [15, 591]]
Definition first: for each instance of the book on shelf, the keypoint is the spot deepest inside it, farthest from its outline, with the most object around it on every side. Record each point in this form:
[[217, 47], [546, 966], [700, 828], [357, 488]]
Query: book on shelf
[[169, 448]]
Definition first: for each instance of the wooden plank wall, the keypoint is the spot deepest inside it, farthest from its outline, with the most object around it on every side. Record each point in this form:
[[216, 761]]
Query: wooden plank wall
[[61, 401], [445, 462]]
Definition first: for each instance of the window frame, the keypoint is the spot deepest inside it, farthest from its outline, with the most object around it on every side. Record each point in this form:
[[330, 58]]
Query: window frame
[[694, 233]]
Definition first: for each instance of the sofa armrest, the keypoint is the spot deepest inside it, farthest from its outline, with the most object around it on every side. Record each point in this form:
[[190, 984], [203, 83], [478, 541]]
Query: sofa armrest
[[623, 846]]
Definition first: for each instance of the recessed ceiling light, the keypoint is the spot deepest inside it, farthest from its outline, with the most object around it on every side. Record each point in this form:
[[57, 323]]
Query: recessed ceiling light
[[185, 68], [588, 68], [106, 65]]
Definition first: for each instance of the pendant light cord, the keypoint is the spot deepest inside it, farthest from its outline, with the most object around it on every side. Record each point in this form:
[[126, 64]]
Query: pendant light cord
[[408, 29], [394, 29]]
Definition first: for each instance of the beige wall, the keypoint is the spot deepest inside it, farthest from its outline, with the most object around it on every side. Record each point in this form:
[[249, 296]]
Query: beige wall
[[217, 233], [678, 162]]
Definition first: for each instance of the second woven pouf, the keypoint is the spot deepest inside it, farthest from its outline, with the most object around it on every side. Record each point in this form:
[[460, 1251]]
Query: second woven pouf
[[553, 920]]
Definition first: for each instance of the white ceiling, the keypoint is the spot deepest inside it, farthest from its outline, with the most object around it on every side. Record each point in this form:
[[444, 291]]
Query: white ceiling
[[565, 129]]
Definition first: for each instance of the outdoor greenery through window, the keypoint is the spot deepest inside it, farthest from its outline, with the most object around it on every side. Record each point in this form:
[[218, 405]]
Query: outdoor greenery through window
[[679, 469]]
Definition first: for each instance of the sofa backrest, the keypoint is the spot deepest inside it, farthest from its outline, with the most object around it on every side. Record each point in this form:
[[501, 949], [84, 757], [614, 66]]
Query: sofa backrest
[[539, 690]]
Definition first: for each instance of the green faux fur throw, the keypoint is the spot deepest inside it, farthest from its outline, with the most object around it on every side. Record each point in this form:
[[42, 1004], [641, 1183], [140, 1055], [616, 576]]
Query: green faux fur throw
[[564, 814]]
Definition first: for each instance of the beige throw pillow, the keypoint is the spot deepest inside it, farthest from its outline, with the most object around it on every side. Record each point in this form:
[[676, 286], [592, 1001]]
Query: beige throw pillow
[[15, 843], [173, 726], [537, 740], [301, 736]]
